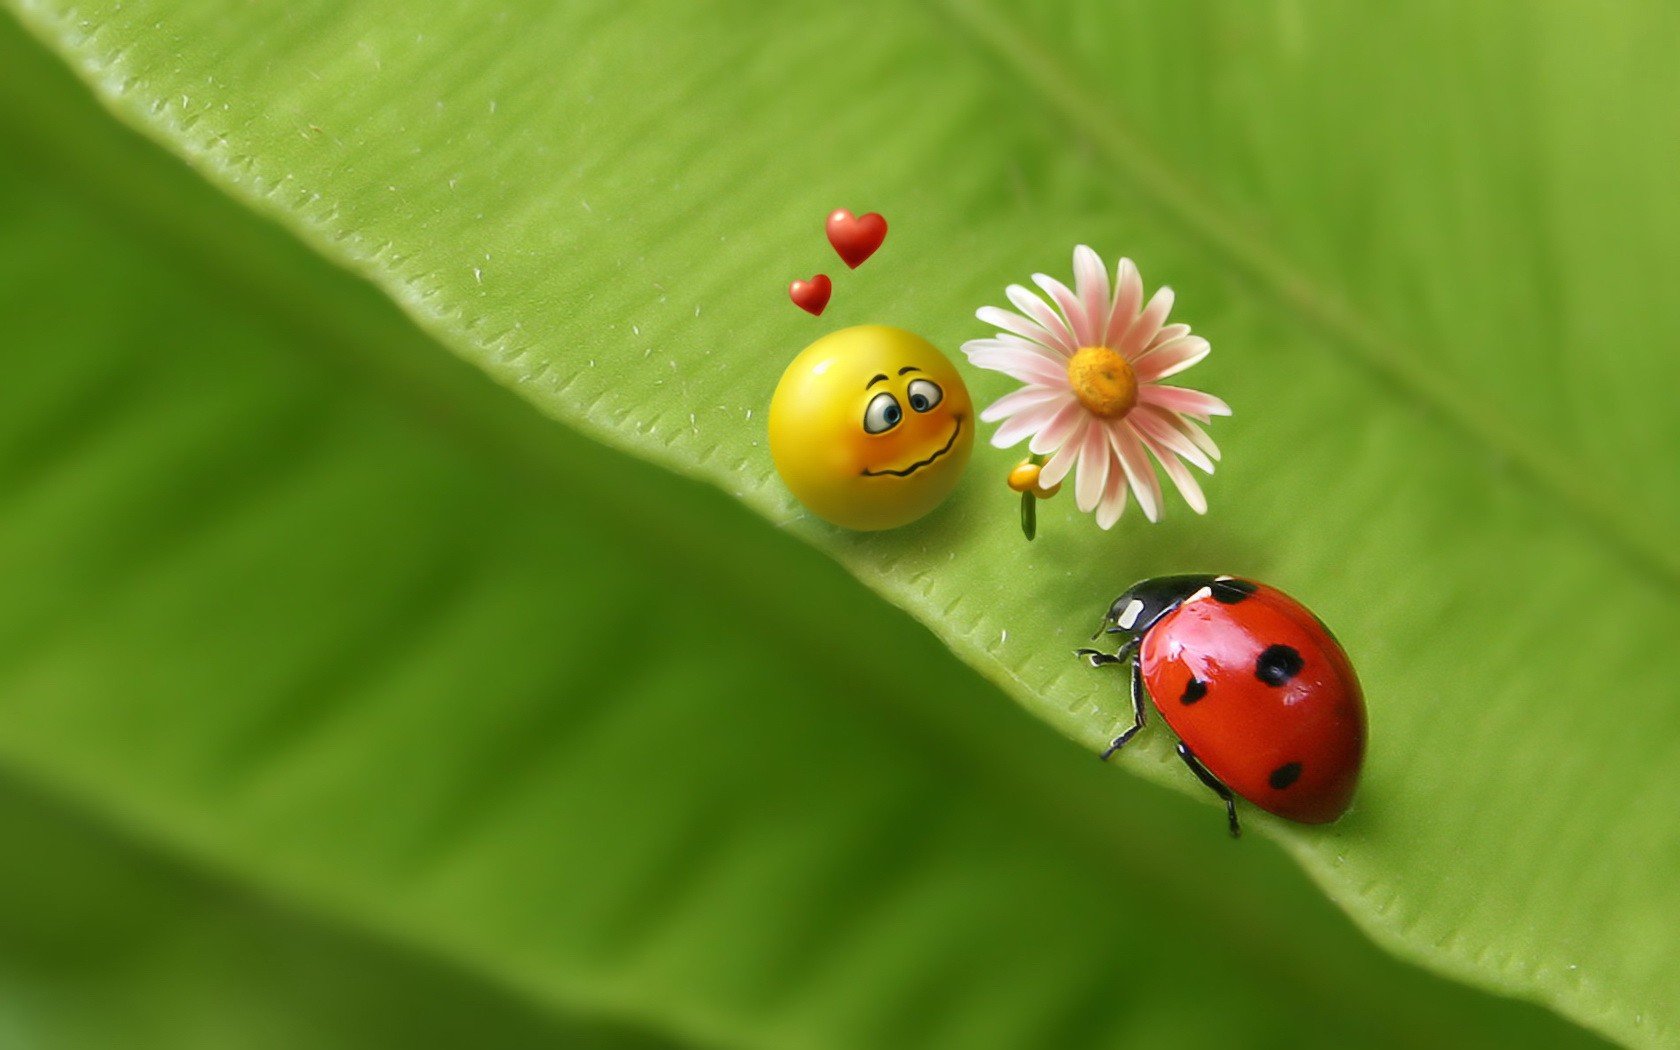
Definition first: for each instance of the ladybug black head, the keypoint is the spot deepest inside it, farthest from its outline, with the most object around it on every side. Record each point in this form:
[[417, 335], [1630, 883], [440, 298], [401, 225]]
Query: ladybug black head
[[1143, 603]]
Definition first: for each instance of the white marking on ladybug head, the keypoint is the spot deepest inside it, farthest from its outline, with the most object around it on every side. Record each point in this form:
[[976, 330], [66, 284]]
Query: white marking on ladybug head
[[1205, 592], [1130, 615], [1223, 579]]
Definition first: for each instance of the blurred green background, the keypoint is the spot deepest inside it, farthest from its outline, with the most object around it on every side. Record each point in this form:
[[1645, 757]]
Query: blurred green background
[[348, 699]]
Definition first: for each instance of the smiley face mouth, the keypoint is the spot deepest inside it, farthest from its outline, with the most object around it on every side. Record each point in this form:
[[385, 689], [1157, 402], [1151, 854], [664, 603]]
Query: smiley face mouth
[[919, 464]]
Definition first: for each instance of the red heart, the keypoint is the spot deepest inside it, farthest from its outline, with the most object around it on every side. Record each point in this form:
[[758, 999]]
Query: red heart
[[812, 296], [856, 238]]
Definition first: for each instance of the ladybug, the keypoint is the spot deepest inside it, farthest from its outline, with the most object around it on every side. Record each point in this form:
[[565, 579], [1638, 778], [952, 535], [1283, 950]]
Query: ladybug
[[1262, 697]]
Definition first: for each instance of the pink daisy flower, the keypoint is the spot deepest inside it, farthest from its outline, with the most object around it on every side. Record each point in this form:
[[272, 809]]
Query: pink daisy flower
[[1094, 402]]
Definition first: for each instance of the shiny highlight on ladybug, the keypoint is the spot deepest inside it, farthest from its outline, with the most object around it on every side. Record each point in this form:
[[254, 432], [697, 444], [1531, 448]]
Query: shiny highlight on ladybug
[[1263, 699]]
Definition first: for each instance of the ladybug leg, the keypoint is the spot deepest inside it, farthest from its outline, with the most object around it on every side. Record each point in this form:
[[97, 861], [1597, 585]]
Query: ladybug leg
[[1214, 785], [1098, 658], [1138, 716]]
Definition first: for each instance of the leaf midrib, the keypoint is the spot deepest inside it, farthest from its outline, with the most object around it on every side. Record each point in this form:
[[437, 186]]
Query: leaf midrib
[[1225, 235]]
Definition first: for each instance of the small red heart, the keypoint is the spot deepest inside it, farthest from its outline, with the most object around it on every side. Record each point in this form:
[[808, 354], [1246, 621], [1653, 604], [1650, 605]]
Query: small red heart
[[856, 238], [812, 296]]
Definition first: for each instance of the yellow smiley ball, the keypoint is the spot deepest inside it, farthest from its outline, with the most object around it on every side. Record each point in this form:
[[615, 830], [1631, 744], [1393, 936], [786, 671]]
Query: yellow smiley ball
[[871, 427]]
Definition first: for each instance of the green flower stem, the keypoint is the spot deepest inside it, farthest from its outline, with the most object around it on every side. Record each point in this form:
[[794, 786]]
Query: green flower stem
[[1029, 505]]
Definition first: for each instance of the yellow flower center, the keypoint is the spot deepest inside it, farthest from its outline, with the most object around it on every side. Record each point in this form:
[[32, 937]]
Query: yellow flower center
[[1103, 381]]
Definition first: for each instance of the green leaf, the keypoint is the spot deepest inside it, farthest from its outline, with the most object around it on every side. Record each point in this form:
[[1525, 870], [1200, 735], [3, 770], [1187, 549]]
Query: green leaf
[[347, 702], [103, 942], [1435, 272]]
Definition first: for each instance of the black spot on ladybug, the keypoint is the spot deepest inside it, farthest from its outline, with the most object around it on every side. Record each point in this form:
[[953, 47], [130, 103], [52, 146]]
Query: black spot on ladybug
[[1230, 592], [1194, 690], [1277, 665], [1284, 775]]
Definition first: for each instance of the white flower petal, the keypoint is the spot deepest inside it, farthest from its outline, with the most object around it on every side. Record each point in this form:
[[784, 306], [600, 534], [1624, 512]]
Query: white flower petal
[[1113, 502], [1135, 462], [1061, 339], [1021, 364], [1094, 456], [1056, 468], [1128, 296], [1066, 424], [1014, 323], [1005, 341], [1148, 323], [1170, 359], [1024, 423], [1157, 429], [1167, 334], [1064, 299], [1016, 400], [1090, 278], [1200, 437], [1179, 399], [1182, 478]]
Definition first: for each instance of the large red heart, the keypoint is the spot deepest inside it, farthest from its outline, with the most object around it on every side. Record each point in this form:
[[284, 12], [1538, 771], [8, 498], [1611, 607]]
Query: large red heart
[[812, 296], [856, 238]]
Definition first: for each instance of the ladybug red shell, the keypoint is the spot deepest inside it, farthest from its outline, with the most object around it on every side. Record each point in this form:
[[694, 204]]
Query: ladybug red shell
[[1262, 697]]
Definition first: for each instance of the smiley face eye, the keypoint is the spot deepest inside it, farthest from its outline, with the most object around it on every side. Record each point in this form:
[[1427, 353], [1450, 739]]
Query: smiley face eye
[[882, 414], [924, 394]]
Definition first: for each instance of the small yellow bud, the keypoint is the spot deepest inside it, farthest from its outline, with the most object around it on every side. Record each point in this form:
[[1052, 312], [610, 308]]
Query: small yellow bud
[[1024, 478]]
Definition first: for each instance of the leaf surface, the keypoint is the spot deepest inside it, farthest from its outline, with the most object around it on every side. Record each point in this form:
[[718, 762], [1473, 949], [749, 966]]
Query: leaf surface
[[1434, 274]]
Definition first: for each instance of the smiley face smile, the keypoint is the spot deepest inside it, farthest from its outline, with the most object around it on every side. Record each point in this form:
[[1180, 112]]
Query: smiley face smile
[[919, 464]]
